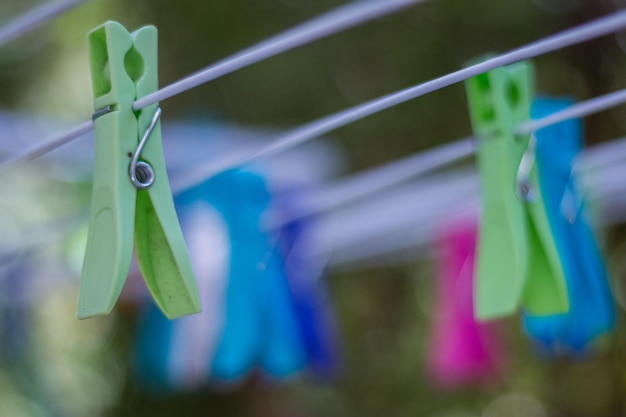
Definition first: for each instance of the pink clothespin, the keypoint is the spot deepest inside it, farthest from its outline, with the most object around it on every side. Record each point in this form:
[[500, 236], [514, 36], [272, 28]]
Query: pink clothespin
[[462, 350]]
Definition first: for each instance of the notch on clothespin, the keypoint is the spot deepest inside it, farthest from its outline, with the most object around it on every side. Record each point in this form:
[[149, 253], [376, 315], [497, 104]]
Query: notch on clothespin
[[131, 197], [518, 263]]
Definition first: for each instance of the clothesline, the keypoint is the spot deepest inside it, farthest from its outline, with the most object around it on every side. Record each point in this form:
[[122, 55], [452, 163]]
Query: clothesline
[[35, 18], [367, 183], [582, 33], [582, 109], [332, 122], [362, 185], [330, 23], [336, 21], [418, 207], [337, 120], [413, 212]]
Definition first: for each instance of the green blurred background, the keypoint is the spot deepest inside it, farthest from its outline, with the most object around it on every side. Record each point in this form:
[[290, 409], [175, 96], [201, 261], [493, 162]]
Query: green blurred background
[[82, 368]]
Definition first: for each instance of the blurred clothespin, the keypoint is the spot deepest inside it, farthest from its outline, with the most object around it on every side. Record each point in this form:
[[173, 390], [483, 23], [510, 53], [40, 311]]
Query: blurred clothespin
[[462, 350], [305, 268], [592, 311], [518, 262], [131, 197], [260, 323]]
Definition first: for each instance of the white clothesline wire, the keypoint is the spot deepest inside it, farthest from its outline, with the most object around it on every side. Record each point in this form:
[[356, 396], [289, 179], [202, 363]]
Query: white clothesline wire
[[377, 179], [309, 131], [445, 155], [35, 18], [582, 33], [418, 209], [312, 130], [582, 109], [38, 150], [444, 197], [337, 20]]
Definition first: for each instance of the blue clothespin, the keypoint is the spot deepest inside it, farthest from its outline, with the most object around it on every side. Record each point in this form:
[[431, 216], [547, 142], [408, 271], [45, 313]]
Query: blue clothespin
[[592, 311], [316, 318], [259, 327], [239, 341], [260, 318]]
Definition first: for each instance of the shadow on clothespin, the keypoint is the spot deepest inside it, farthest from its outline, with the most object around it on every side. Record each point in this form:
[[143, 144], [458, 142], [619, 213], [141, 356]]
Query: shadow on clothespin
[[518, 263], [131, 197]]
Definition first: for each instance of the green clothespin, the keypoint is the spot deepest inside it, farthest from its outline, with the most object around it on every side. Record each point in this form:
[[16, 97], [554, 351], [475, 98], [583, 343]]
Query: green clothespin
[[518, 263], [131, 192]]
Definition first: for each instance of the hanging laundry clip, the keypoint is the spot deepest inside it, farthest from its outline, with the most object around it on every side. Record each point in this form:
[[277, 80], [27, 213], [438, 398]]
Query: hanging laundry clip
[[592, 310], [131, 198], [518, 263], [462, 350]]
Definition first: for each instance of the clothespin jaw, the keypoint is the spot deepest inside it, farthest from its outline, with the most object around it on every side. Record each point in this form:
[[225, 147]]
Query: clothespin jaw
[[518, 263], [159, 241], [124, 68]]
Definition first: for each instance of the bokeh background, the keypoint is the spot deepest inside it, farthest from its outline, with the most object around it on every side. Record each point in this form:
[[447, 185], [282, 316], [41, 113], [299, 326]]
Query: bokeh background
[[72, 368]]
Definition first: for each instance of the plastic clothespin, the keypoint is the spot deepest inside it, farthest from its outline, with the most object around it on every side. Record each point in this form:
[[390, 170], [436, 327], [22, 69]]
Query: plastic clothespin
[[305, 275], [131, 198], [462, 350], [518, 263], [261, 327], [592, 311], [239, 338]]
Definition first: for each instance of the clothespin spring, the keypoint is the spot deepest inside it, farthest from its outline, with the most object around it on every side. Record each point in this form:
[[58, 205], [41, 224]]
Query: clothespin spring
[[140, 172]]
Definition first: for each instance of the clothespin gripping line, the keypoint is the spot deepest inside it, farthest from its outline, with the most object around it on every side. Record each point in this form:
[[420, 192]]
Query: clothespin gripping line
[[141, 173]]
